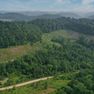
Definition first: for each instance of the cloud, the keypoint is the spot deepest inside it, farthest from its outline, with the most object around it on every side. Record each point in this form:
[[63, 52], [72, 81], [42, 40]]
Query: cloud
[[60, 0], [54, 5], [87, 1], [77, 5]]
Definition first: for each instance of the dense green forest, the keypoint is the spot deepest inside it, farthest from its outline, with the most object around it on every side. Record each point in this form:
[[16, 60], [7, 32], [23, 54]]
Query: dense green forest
[[83, 83], [85, 26], [13, 33], [52, 56]]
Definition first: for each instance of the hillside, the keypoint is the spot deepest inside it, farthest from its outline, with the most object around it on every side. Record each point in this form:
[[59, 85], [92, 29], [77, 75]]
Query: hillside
[[91, 17], [85, 26], [8, 54], [13, 34], [47, 47], [50, 43], [48, 86], [20, 33], [14, 17]]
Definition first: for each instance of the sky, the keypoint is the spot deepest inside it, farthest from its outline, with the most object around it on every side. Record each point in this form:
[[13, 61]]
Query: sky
[[47, 5]]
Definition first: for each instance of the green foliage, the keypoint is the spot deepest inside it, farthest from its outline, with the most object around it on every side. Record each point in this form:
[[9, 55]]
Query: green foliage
[[52, 54], [83, 83], [50, 60], [18, 33], [85, 26], [13, 33], [43, 87]]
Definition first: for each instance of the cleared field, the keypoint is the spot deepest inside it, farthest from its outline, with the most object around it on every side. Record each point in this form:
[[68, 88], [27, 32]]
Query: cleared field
[[9, 54]]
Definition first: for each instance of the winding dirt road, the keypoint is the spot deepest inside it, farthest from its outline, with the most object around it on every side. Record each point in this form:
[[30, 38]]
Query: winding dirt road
[[25, 83]]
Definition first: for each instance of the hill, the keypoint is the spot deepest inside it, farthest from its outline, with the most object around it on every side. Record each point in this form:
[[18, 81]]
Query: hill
[[91, 17], [57, 52], [69, 14], [48, 47], [14, 17], [29, 16], [12, 53]]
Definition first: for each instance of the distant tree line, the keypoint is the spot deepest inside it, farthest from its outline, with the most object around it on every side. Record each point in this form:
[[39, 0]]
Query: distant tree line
[[85, 26]]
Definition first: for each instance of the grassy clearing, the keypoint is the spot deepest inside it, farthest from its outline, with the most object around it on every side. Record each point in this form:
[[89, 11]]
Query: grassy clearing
[[60, 33], [64, 33], [9, 54]]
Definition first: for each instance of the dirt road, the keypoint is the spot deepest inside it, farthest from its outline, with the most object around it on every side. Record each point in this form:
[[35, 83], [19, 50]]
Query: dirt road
[[25, 83]]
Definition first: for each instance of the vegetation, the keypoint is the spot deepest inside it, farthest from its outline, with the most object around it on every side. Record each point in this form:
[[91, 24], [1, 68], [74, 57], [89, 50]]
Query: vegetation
[[57, 55], [83, 83], [85, 26], [19, 33], [13, 33], [59, 52], [12, 53], [43, 87]]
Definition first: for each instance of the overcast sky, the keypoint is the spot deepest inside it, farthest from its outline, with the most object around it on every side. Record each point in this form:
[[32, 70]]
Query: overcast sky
[[47, 5]]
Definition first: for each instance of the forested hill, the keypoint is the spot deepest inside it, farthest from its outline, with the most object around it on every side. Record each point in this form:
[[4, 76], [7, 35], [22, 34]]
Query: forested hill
[[85, 26], [18, 33], [55, 46]]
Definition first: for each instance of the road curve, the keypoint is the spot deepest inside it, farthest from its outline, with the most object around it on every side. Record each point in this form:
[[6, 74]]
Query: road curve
[[24, 83]]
